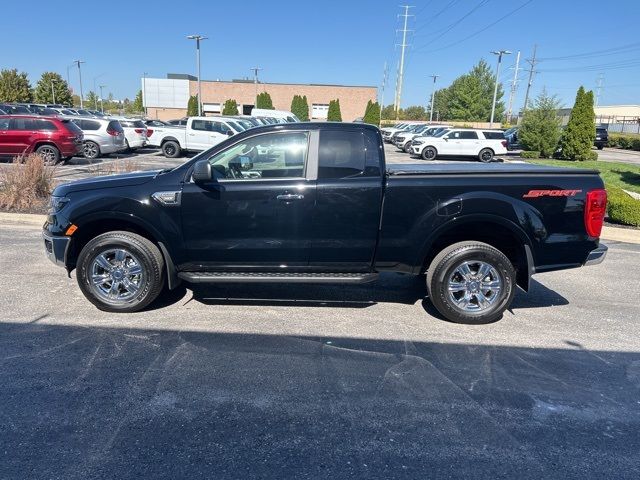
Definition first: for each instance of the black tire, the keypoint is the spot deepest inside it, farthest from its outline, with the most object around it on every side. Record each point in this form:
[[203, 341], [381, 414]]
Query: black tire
[[49, 153], [171, 149], [486, 155], [429, 153], [151, 280], [600, 147], [443, 273], [90, 150], [407, 147], [128, 148]]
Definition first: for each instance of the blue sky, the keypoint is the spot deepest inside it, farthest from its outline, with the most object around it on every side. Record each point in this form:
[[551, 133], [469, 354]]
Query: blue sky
[[327, 41]]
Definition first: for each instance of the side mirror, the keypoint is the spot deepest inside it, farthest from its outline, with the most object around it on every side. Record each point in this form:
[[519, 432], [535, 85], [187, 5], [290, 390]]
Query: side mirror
[[230, 133], [446, 139], [202, 171]]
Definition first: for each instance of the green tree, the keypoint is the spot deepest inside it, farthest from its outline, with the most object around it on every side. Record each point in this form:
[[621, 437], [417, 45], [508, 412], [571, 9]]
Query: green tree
[[470, 96], [14, 86], [43, 92], [300, 107], [440, 105], [540, 127], [334, 114], [138, 103], [580, 133], [372, 113], [388, 113], [415, 112], [230, 107], [192, 106], [264, 101], [91, 100]]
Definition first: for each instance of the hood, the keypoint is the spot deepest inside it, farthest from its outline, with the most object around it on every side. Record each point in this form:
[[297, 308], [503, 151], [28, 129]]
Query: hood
[[108, 181]]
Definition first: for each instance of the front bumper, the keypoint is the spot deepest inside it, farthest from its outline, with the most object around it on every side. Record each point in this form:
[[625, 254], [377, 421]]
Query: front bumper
[[56, 248], [596, 256]]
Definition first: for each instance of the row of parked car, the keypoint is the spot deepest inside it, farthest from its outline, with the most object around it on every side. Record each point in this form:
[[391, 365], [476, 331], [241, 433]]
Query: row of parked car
[[60, 136], [434, 141]]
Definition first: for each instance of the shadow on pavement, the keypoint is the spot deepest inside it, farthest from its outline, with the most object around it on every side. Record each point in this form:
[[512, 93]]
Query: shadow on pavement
[[86, 402]]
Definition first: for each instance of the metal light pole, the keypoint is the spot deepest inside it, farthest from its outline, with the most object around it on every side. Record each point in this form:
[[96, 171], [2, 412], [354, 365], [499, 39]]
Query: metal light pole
[[95, 93], [255, 82], [433, 96], [198, 38], [144, 93], [495, 89], [78, 62], [53, 93], [101, 102]]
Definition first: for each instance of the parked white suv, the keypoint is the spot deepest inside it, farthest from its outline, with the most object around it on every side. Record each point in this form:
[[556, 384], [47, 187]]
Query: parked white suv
[[403, 139], [461, 142], [135, 132]]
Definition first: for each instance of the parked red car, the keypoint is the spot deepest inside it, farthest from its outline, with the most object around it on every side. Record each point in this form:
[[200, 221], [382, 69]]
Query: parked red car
[[53, 138]]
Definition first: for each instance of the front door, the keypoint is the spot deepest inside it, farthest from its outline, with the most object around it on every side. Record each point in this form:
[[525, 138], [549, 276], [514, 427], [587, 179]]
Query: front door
[[256, 212]]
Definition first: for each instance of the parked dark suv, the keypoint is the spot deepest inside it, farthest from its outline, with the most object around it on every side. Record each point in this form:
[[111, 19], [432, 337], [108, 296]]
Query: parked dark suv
[[602, 138], [52, 138]]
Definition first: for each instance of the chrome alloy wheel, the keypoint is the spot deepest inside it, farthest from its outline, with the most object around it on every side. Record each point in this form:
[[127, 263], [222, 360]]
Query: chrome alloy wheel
[[48, 154], [474, 286], [116, 276]]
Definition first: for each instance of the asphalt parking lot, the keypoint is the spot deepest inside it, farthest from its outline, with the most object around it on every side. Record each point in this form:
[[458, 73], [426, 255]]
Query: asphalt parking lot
[[317, 381]]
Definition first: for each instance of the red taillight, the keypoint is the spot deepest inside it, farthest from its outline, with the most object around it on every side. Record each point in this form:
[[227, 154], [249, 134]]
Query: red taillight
[[504, 143], [138, 130], [112, 132], [149, 132], [594, 211]]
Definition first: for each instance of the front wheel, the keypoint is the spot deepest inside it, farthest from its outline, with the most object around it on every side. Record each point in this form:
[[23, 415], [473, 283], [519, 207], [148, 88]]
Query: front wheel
[[120, 272], [407, 147], [471, 282], [429, 153], [485, 155]]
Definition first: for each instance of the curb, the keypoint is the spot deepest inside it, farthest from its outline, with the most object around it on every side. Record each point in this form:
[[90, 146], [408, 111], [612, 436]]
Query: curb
[[626, 235]]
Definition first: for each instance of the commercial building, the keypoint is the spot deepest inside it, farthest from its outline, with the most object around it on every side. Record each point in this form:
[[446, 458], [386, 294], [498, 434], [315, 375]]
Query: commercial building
[[166, 98]]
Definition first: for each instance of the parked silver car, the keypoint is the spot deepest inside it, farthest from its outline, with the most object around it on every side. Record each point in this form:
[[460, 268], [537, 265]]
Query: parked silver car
[[102, 136]]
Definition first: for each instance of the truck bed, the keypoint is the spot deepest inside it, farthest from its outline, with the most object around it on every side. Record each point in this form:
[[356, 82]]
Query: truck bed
[[474, 168]]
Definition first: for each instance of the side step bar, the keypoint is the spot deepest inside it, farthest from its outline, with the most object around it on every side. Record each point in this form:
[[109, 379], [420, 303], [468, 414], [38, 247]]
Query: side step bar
[[276, 277]]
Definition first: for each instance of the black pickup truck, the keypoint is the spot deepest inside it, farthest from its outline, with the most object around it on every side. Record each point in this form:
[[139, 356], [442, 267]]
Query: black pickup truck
[[315, 202]]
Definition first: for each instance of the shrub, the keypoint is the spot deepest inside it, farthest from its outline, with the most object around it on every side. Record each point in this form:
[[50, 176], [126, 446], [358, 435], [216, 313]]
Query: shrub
[[300, 107], [635, 144], [26, 185], [529, 154], [334, 115], [540, 128], [580, 133], [230, 107], [192, 106], [372, 113], [622, 207], [264, 101]]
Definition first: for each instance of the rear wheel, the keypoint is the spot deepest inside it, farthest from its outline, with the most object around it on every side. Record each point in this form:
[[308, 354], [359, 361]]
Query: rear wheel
[[171, 149], [50, 155], [485, 155], [90, 150], [471, 282], [429, 153], [120, 272]]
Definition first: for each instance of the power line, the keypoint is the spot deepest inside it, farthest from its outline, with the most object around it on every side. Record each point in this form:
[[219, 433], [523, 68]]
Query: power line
[[454, 24], [596, 53], [482, 30], [434, 16]]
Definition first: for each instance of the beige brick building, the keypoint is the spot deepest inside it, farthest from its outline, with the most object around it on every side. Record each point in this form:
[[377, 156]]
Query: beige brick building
[[166, 98]]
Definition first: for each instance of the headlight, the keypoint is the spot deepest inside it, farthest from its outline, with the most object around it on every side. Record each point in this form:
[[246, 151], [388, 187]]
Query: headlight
[[56, 204]]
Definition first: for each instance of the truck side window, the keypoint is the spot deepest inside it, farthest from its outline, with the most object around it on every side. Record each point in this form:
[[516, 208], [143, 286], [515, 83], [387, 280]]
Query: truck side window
[[272, 155], [372, 160], [341, 154]]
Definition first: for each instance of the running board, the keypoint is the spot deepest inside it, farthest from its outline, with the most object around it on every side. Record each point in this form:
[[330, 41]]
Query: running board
[[276, 277]]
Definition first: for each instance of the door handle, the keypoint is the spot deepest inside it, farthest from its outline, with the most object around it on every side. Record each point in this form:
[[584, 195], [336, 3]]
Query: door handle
[[288, 197]]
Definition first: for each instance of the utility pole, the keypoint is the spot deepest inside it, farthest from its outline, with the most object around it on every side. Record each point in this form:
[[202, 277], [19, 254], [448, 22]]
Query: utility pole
[[144, 92], [384, 84], [53, 93], [500, 53], [255, 82], [532, 62], [599, 88], [401, 70], [433, 95], [198, 38], [78, 62], [514, 86], [101, 101]]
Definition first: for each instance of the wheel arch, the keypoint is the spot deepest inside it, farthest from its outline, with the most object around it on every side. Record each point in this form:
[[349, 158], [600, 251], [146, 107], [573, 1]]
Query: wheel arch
[[493, 230]]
